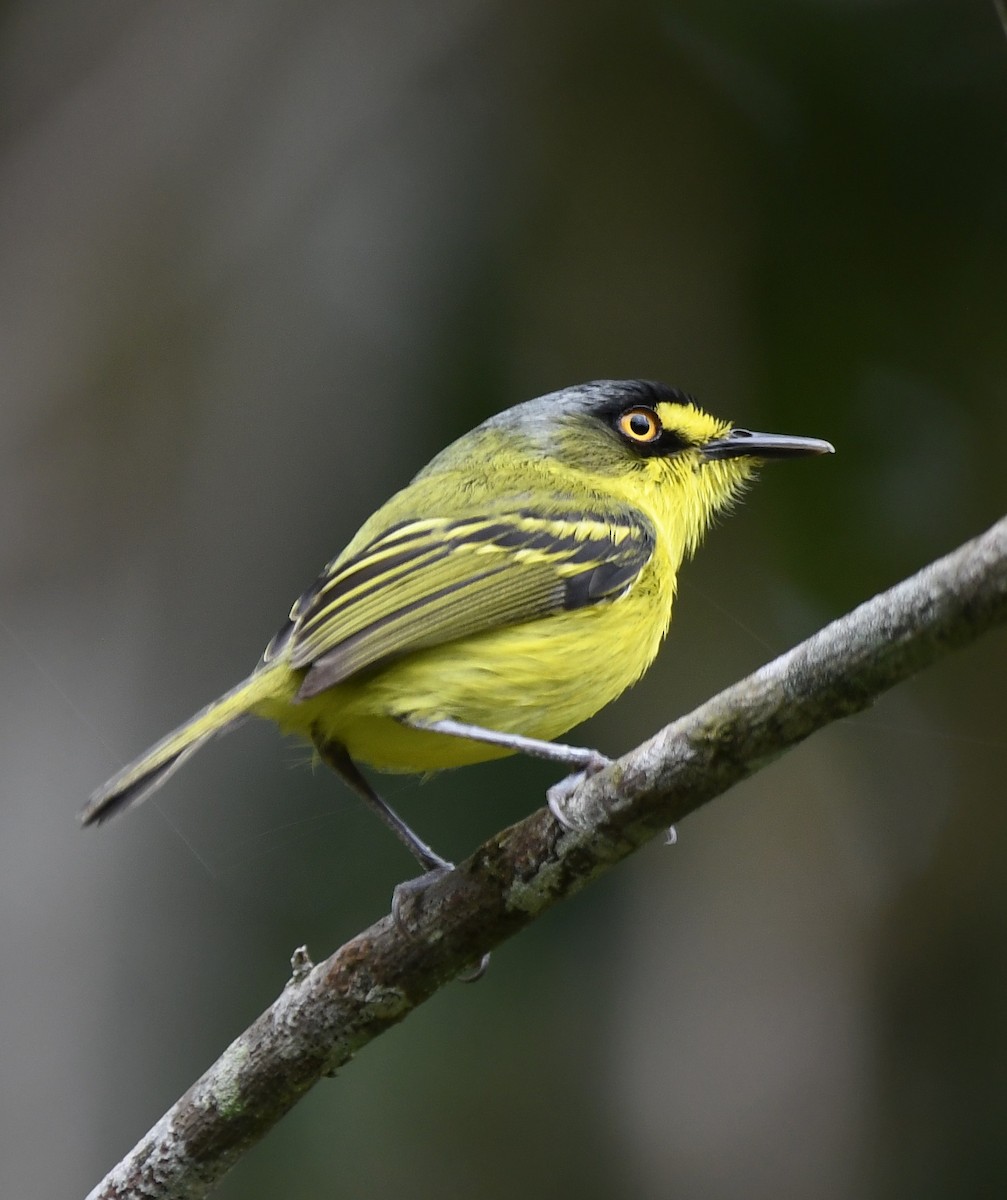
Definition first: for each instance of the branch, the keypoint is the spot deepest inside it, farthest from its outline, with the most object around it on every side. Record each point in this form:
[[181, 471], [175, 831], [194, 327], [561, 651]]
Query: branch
[[328, 1012]]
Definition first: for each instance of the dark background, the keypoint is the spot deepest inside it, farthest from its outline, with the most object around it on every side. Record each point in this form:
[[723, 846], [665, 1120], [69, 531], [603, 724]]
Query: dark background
[[257, 262]]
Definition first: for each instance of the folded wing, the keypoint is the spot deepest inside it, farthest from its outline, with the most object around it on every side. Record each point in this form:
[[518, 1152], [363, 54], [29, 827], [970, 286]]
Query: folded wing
[[426, 582]]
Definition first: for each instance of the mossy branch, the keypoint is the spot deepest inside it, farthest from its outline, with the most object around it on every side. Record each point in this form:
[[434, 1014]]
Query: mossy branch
[[328, 1012]]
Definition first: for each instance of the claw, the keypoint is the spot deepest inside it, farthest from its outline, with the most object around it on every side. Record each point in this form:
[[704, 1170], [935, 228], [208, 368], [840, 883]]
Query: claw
[[558, 796], [477, 972]]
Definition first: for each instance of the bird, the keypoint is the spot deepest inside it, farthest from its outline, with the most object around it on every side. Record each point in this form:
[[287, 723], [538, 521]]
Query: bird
[[518, 584]]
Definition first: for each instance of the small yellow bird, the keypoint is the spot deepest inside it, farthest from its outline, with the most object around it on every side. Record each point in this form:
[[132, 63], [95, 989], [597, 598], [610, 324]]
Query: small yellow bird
[[517, 585]]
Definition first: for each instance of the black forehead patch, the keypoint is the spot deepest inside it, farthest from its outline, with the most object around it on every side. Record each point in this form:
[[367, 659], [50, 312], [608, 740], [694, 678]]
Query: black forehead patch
[[647, 392]]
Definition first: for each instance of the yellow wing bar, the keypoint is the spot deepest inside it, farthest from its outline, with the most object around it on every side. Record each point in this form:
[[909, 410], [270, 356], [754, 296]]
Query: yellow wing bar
[[426, 582]]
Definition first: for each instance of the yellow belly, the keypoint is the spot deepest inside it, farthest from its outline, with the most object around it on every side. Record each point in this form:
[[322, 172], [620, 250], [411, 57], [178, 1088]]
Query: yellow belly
[[538, 679]]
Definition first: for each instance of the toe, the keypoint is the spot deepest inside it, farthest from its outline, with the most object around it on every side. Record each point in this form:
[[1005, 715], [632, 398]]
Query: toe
[[408, 896]]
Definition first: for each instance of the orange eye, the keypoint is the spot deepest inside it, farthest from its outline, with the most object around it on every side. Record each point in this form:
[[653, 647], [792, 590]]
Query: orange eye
[[640, 425]]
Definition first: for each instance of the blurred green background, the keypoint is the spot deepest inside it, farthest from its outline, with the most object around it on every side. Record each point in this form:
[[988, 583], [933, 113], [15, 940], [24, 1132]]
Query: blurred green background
[[257, 262]]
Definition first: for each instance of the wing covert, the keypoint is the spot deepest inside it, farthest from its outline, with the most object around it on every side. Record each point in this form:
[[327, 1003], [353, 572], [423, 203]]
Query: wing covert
[[425, 582]]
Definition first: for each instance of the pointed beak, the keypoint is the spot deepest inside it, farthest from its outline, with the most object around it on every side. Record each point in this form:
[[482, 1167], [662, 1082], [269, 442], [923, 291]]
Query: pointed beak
[[742, 443]]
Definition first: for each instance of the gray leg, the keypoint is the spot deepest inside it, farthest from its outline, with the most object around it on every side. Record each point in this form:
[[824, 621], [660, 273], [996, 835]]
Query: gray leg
[[335, 756], [580, 757]]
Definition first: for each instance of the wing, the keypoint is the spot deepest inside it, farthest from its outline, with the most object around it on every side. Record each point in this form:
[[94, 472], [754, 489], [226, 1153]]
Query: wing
[[440, 579]]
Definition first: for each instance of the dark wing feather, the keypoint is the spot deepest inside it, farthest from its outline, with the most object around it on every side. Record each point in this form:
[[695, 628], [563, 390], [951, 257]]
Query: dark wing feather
[[426, 582]]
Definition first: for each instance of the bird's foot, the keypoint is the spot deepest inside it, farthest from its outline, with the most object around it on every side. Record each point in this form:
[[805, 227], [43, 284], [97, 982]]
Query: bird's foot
[[407, 901], [408, 896], [560, 794]]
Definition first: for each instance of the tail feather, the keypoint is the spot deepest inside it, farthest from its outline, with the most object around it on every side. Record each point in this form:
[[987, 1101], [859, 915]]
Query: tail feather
[[135, 782]]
